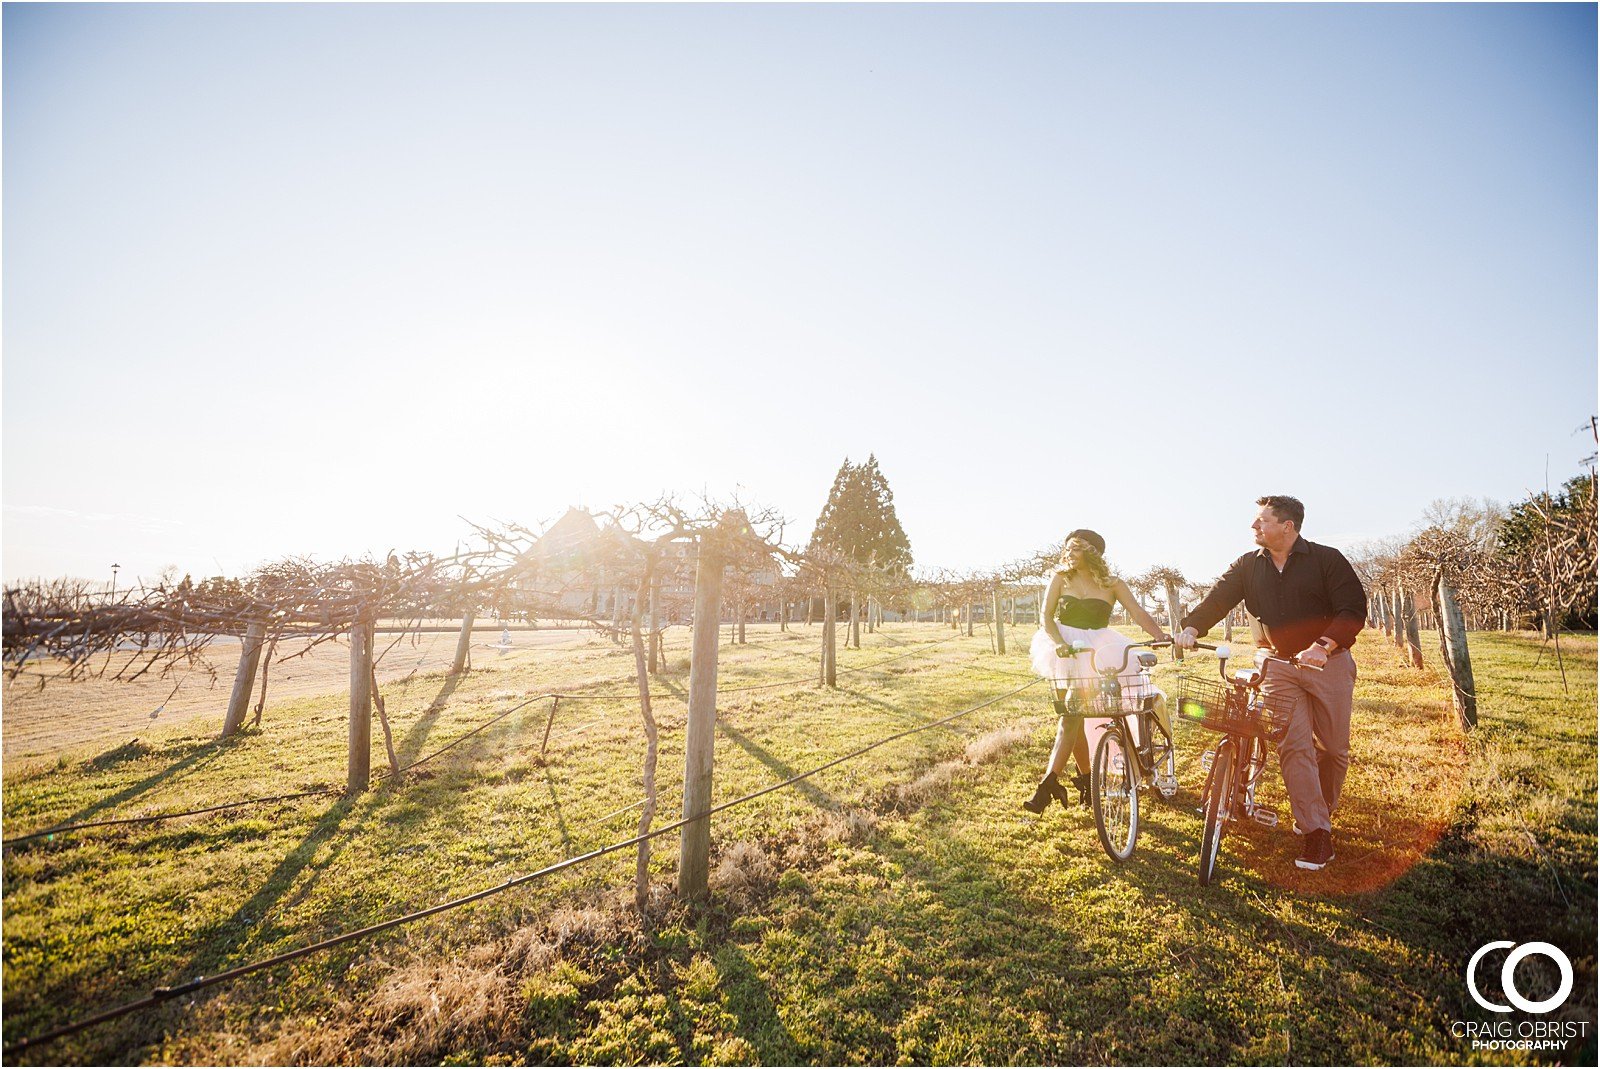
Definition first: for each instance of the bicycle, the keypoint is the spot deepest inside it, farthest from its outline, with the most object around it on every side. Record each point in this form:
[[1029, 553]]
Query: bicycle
[[1248, 721], [1126, 758]]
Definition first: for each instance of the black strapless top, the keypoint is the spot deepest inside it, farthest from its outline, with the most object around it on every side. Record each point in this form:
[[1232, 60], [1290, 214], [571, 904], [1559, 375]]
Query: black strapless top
[[1091, 614]]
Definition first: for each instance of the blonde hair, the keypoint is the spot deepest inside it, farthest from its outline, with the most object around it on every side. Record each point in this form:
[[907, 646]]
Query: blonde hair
[[1092, 564]]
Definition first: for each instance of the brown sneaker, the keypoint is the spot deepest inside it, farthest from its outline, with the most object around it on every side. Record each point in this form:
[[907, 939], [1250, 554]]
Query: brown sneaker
[[1316, 850]]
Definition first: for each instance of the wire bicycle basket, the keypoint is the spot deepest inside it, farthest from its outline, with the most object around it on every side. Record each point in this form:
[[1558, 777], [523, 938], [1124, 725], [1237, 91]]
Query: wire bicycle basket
[[1234, 709], [1098, 697]]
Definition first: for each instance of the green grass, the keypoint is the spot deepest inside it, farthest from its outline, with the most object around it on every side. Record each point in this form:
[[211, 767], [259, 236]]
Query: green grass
[[899, 908]]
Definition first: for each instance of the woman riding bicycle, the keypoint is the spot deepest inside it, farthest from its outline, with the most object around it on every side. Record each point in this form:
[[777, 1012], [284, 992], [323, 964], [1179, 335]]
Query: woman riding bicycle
[[1077, 613]]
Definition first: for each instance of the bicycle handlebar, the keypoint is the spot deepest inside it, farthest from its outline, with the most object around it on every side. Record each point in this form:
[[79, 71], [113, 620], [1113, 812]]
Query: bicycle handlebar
[[1223, 652], [1154, 644]]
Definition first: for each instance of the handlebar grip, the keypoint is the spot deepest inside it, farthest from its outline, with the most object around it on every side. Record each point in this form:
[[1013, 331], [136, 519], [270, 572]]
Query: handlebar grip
[[1296, 662]]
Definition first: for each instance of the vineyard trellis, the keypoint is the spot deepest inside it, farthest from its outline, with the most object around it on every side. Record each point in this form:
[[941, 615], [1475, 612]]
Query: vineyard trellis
[[1539, 562]]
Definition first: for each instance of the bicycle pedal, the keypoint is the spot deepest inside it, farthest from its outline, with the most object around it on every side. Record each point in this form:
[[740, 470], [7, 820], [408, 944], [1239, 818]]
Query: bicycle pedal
[[1206, 760], [1167, 785], [1267, 818]]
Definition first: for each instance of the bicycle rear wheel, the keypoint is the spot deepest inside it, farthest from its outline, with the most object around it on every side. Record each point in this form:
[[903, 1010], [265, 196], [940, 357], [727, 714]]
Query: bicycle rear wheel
[[1219, 788], [1113, 787]]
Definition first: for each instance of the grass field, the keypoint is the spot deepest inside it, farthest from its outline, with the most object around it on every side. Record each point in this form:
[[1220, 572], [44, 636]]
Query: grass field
[[43, 722], [901, 907]]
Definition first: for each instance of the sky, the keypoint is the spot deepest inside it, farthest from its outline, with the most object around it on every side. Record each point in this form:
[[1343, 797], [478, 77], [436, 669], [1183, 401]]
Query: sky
[[323, 280]]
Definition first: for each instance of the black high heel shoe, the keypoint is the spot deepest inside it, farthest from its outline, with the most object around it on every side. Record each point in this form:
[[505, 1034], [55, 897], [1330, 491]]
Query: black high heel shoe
[[1081, 782], [1048, 788]]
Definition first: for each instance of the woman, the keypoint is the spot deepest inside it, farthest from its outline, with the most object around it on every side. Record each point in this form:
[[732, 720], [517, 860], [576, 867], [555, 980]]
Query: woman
[[1077, 613]]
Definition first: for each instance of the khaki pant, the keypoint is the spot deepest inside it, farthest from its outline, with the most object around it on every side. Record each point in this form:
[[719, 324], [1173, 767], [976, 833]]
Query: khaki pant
[[1315, 753]]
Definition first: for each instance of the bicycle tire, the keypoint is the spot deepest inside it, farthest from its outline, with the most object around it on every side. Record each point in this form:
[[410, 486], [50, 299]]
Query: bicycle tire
[[1114, 793], [1219, 786]]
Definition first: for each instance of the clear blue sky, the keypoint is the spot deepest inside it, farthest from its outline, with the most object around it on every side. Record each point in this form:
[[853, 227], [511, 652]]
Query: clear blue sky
[[308, 279]]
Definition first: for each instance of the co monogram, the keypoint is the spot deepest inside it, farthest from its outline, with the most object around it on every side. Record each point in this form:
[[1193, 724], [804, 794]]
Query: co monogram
[[1508, 978]]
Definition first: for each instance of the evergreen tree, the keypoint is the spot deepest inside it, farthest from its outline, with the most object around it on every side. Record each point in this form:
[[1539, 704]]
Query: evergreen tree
[[859, 520]]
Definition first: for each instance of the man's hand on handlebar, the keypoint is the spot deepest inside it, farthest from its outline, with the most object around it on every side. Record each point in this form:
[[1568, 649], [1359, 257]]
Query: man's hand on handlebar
[[1313, 656], [1185, 639]]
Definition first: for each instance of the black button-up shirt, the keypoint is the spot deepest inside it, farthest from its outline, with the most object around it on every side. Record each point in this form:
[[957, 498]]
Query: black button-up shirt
[[1316, 594]]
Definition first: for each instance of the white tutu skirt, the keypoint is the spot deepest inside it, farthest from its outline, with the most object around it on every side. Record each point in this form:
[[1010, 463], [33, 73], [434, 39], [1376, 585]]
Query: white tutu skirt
[[1105, 647]]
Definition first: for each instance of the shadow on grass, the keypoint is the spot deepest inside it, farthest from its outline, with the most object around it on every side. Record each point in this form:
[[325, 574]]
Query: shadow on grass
[[899, 712], [202, 754], [417, 734], [810, 791], [247, 927], [750, 1002], [561, 819]]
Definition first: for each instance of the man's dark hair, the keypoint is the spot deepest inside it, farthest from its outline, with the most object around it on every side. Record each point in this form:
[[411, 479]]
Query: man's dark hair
[[1285, 508]]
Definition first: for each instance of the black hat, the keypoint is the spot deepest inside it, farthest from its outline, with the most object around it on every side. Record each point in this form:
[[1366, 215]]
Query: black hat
[[1090, 537]]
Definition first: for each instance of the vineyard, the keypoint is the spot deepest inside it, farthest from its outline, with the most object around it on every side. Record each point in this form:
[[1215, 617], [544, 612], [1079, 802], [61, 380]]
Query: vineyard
[[896, 906], [458, 829]]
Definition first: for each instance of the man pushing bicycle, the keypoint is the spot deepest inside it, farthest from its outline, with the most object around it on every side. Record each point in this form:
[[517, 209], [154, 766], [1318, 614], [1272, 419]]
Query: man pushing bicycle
[[1312, 606]]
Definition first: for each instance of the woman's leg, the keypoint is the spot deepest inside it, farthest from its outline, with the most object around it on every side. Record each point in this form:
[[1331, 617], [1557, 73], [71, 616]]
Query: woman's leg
[[1069, 739], [1163, 714], [1080, 750]]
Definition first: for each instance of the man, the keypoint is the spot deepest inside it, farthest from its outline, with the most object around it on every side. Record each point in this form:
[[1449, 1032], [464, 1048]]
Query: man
[[1312, 606]]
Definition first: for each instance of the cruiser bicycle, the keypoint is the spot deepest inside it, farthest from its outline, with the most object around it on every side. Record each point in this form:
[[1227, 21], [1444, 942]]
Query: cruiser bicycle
[[1128, 757], [1248, 721]]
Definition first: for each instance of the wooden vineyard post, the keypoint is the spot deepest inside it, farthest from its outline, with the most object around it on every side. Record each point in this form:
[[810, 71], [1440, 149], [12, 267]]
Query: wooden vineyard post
[[1413, 636], [1227, 627], [244, 681], [830, 663], [1174, 618], [968, 609], [360, 707], [1397, 607], [999, 625], [694, 853], [463, 644], [1453, 644], [655, 631]]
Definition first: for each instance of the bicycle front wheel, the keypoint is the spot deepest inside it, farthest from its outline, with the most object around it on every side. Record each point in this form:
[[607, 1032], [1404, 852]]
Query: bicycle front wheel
[[1113, 786], [1219, 788]]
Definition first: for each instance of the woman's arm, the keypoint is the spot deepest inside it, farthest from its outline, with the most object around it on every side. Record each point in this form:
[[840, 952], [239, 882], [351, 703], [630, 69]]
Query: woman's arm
[[1135, 610], [1047, 610]]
